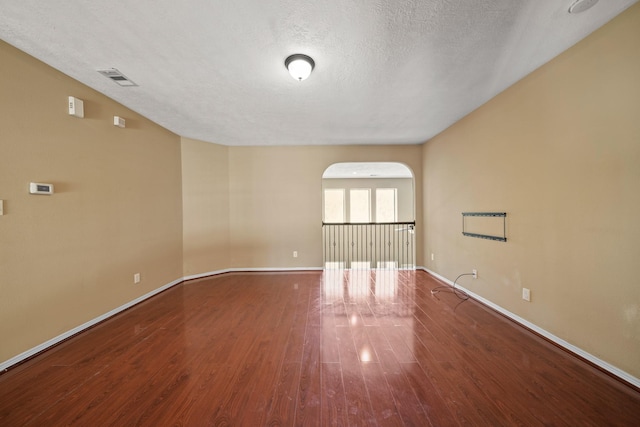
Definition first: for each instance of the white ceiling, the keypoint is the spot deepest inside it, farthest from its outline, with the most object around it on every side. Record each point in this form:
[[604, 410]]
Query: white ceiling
[[387, 72]]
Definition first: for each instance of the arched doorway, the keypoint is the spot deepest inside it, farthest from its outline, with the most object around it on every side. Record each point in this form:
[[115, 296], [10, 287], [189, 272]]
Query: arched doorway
[[368, 214]]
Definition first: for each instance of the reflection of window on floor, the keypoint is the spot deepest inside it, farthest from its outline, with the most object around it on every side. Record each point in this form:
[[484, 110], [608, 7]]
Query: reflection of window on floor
[[360, 203], [386, 284], [359, 282], [333, 285], [335, 265], [387, 265], [361, 285], [334, 205]]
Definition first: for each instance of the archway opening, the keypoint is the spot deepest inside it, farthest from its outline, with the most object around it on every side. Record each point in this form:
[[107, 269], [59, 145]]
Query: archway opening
[[368, 214]]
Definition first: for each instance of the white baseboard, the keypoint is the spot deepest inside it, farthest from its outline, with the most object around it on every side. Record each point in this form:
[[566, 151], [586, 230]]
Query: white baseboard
[[208, 274], [548, 335], [284, 269], [53, 341], [250, 270]]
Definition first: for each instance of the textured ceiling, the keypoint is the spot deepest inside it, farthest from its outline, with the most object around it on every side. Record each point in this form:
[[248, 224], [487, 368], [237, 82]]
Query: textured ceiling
[[387, 72]]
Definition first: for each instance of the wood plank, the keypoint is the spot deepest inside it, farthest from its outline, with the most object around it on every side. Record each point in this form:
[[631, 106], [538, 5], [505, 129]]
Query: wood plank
[[359, 411], [382, 400], [282, 408], [309, 393], [334, 411]]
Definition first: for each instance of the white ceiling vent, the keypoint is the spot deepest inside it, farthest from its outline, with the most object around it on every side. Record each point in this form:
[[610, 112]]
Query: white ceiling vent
[[117, 77]]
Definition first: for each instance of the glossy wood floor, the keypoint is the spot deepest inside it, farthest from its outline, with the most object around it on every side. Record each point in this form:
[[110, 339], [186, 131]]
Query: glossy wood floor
[[313, 348]]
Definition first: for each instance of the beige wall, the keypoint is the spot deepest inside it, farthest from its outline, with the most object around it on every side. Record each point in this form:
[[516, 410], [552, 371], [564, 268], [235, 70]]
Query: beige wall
[[276, 199], [273, 202], [68, 258], [560, 153], [205, 204]]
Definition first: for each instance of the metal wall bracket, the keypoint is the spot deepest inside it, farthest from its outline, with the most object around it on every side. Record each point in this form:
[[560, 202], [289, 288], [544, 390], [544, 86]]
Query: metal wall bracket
[[502, 238]]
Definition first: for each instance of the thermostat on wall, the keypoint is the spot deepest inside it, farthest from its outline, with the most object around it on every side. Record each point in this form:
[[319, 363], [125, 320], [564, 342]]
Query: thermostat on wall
[[39, 188]]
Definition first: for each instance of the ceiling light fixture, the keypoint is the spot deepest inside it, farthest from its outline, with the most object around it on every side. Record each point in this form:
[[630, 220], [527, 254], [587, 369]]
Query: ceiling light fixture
[[299, 66], [582, 5]]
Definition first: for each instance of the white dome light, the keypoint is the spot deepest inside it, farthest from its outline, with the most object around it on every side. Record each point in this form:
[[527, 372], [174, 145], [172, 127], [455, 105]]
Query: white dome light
[[582, 5], [299, 66]]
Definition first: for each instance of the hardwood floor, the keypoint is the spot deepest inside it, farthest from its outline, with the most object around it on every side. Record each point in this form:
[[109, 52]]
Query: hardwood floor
[[335, 348]]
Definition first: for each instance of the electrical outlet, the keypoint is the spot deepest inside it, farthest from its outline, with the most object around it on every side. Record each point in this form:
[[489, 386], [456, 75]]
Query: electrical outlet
[[526, 294], [136, 278], [295, 254], [475, 273], [433, 256]]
